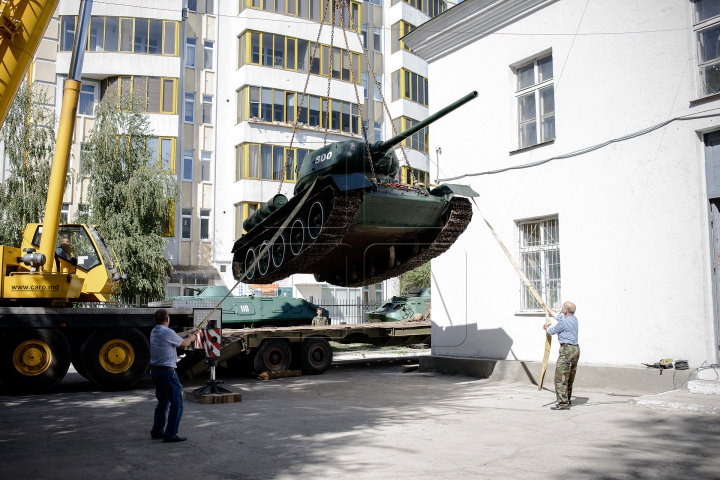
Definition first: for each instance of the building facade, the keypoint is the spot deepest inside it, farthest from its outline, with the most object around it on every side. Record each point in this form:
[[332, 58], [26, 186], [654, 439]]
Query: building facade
[[593, 144]]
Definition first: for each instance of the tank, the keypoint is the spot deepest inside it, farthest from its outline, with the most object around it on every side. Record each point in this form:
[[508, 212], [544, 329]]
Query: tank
[[401, 308], [358, 225], [250, 311]]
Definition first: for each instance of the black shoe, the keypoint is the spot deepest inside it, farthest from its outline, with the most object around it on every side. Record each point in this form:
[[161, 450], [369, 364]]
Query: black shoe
[[559, 407], [174, 439], [156, 437]]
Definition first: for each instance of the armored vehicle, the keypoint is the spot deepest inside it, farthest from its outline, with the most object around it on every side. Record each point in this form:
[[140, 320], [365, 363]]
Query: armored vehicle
[[249, 311], [401, 308], [357, 225]]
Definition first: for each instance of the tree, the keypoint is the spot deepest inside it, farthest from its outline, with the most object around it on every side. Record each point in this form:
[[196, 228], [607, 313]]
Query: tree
[[414, 279], [29, 140], [130, 194]]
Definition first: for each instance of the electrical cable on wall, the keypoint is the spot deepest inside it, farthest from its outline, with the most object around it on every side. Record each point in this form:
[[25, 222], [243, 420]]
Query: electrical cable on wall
[[581, 151]]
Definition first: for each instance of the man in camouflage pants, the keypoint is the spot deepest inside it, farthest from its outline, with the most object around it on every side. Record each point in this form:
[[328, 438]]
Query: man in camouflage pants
[[566, 329]]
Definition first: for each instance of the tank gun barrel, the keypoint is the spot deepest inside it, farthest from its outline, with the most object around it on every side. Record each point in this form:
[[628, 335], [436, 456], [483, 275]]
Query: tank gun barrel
[[388, 144]]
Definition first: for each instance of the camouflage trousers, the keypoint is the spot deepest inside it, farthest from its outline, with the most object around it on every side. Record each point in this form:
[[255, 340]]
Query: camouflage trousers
[[565, 370]]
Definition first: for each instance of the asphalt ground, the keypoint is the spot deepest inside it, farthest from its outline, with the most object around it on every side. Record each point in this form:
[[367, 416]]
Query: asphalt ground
[[358, 420]]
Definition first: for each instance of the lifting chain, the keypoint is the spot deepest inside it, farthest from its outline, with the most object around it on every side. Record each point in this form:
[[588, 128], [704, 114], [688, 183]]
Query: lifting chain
[[304, 94], [382, 97]]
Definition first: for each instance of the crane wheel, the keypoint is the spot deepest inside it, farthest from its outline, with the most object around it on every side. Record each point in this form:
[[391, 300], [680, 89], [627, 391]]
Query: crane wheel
[[316, 356], [34, 360], [116, 358], [272, 356]]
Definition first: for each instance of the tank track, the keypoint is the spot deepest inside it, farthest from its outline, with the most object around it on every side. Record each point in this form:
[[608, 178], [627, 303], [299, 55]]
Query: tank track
[[459, 219], [345, 209]]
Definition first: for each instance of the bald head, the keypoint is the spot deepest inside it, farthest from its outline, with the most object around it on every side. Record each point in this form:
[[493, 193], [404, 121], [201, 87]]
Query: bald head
[[570, 307]]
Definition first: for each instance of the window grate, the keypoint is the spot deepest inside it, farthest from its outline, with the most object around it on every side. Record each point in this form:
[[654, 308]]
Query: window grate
[[540, 261]]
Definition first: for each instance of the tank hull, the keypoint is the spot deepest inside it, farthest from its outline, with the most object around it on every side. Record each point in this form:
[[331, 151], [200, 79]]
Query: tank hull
[[368, 234]]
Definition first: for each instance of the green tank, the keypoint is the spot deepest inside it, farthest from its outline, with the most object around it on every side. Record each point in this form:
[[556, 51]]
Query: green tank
[[358, 225], [249, 311], [401, 308]]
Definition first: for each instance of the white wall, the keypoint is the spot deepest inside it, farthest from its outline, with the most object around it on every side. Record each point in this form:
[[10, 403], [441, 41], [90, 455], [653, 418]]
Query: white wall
[[633, 220]]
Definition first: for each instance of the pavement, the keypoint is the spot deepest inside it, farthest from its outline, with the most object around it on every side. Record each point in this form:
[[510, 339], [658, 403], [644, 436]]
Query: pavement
[[357, 421]]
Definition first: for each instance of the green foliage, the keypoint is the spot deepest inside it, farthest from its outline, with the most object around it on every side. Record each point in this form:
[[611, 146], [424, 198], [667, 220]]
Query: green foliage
[[130, 196], [29, 139], [414, 279]]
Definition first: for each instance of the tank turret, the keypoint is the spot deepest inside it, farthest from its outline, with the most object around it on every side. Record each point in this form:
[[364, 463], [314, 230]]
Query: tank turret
[[358, 225]]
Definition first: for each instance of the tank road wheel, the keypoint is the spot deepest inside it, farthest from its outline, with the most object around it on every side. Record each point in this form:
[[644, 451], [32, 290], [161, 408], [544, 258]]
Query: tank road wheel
[[316, 356], [272, 356], [278, 251], [297, 236], [34, 360], [264, 263], [116, 358], [316, 219], [249, 260]]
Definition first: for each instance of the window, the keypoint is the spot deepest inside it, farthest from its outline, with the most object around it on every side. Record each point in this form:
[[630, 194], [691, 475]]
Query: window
[[431, 8], [207, 108], [397, 31], [364, 36], [156, 94], [65, 213], [535, 102], [204, 224], [192, 5], [210, 6], [707, 30], [289, 53], [377, 131], [274, 105], [209, 47], [364, 81], [410, 86], [242, 212], [376, 93], [129, 35], [419, 140], [186, 226], [308, 9], [266, 162], [67, 33], [190, 52], [189, 107], [205, 165], [87, 100], [377, 40], [540, 261], [161, 152], [409, 174], [187, 169]]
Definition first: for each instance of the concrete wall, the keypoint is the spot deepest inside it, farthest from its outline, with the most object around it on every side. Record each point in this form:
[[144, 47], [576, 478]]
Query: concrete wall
[[633, 216]]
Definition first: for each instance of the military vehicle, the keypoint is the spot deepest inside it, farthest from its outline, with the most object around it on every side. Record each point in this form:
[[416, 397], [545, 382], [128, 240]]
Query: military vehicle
[[358, 225], [249, 311], [401, 308]]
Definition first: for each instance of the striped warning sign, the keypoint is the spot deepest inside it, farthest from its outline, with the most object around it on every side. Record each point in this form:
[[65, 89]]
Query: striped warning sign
[[211, 342]]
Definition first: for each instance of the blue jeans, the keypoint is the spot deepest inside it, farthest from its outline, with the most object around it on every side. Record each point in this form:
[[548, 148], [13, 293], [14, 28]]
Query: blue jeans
[[168, 391]]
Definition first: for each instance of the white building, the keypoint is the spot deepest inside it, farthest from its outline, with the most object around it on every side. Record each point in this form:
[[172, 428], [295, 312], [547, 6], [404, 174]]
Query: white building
[[626, 230]]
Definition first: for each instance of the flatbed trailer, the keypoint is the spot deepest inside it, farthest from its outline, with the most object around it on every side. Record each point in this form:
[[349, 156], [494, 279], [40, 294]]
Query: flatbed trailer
[[307, 347], [107, 345]]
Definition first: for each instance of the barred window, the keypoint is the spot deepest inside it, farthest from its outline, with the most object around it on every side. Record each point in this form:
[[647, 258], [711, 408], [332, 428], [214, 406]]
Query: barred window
[[540, 261]]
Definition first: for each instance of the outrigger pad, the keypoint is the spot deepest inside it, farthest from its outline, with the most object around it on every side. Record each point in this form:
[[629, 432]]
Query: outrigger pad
[[447, 188], [351, 181]]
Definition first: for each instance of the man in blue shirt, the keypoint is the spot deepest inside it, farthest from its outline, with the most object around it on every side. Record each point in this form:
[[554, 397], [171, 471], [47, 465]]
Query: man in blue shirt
[[566, 329], [168, 390]]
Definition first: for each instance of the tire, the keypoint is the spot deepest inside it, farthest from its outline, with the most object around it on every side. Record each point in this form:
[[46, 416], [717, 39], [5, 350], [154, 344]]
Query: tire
[[78, 364], [272, 356], [263, 265], [316, 219], [297, 236], [278, 251], [34, 360], [249, 261], [316, 356], [116, 358]]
